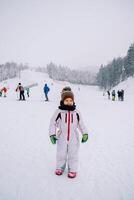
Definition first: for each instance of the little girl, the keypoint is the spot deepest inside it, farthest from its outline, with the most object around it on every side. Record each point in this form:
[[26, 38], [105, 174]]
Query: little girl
[[64, 129]]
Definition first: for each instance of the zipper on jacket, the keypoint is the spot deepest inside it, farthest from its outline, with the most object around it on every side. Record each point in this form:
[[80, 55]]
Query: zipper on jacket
[[68, 134], [72, 118], [66, 118]]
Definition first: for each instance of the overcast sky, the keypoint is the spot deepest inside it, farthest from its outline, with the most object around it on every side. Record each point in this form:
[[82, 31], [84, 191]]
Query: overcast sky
[[75, 33]]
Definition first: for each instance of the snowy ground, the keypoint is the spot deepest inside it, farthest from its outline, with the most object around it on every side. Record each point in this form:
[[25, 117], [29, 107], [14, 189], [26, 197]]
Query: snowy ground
[[27, 158]]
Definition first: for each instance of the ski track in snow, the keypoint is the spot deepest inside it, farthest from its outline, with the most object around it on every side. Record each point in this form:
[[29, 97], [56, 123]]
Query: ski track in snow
[[27, 158]]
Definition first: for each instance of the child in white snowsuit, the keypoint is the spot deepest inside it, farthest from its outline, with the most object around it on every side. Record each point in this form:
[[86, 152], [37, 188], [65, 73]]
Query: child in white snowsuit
[[65, 126]]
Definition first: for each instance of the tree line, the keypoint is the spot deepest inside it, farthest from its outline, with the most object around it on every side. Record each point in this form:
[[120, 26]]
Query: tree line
[[11, 70], [117, 70], [62, 73]]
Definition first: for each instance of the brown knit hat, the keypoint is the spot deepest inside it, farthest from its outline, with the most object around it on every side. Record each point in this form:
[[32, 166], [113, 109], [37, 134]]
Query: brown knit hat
[[67, 94], [67, 88]]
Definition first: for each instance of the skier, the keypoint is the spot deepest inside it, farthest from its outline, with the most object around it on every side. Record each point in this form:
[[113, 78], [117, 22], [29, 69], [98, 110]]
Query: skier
[[46, 90], [0, 93], [20, 88], [119, 93], [27, 90], [113, 95], [64, 129], [108, 93], [122, 95]]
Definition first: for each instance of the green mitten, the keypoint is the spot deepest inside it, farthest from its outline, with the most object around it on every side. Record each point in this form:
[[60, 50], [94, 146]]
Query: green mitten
[[84, 137], [53, 139]]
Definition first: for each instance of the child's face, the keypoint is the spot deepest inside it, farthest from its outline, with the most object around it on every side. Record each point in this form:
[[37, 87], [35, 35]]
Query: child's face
[[68, 101]]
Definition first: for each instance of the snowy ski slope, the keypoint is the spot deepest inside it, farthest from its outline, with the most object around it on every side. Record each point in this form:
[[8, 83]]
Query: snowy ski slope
[[27, 157]]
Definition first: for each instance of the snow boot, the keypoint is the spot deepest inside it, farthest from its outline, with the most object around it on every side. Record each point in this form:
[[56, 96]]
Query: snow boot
[[71, 174], [59, 172]]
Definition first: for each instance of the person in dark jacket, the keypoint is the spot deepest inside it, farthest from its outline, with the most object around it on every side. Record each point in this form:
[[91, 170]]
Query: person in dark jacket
[[122, 95], [20, 88], [108, 93], [0, 93], [119, 95], [46, 90]]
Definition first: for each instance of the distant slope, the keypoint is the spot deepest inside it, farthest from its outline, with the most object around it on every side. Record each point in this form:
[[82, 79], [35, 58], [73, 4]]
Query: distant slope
[[127, 86]]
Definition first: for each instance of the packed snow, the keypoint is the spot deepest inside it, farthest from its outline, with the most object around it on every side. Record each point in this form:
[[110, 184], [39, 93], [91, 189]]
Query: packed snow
[[27, 157]]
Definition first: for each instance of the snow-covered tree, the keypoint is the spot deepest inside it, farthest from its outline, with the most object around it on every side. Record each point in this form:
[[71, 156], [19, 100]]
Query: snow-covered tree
[[10, 70], [66, 74]]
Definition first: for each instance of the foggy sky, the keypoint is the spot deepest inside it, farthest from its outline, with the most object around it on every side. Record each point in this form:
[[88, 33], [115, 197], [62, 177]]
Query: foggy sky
[[74, 33]]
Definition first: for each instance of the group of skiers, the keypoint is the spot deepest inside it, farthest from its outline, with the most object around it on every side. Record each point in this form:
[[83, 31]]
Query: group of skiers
[[112, 95], [22, 89]]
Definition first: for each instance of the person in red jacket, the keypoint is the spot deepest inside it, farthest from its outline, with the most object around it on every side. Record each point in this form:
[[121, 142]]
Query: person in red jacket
[[4, 89]]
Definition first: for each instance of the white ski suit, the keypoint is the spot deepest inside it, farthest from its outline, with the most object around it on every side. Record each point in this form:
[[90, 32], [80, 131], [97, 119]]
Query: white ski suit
[[66, 125]]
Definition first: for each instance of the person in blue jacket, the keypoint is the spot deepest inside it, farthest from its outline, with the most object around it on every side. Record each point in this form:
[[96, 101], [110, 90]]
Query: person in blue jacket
[[46, 90]]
